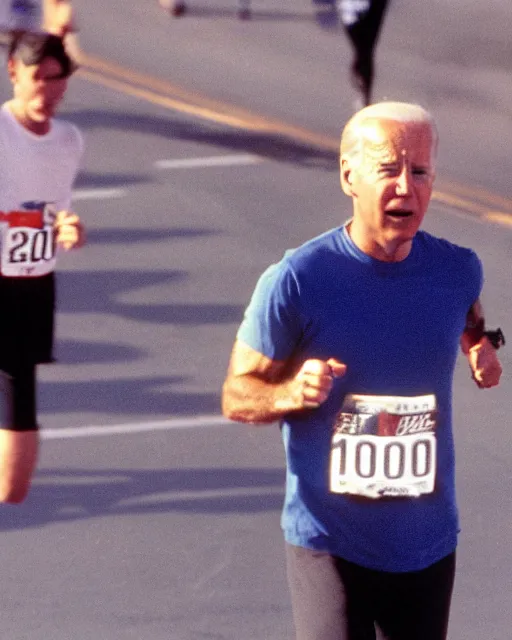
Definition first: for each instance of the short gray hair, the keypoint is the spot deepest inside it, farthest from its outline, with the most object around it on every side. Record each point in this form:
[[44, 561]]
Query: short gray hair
[[351, 139]]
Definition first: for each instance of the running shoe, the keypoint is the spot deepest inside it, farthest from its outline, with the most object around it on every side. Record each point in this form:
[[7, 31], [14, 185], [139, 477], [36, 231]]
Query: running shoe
[[178, 9]]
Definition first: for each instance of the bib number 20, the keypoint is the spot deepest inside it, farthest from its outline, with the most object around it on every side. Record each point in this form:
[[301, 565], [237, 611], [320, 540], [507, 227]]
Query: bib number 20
[[31, 245]]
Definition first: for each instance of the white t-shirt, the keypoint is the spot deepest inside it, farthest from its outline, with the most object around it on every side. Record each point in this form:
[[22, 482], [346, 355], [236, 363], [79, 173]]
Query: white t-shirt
[[37, 173]]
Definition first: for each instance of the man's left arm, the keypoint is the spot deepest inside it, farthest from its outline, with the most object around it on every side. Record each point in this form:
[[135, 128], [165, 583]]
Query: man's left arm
[[480, 347]]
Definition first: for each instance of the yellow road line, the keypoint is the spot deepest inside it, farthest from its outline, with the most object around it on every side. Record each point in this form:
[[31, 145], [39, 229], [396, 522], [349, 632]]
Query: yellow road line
[[164, 101], [156, 84], [499, 218], [457, 202], [156, 90], [472, 200], [478, 193]]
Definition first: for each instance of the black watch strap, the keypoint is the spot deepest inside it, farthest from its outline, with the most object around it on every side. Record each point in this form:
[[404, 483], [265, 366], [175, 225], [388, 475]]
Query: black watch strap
[[496, 337]]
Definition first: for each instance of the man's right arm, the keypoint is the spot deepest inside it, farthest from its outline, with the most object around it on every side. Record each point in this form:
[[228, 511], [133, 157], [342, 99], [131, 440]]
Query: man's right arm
[[258, 389]]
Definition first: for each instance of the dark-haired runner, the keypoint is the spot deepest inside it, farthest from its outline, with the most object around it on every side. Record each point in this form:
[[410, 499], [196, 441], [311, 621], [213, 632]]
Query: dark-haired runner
[[39, 158]]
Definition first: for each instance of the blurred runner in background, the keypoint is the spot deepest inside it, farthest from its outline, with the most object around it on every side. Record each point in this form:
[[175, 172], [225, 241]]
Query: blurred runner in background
[[20, 15], [35, 16], [58, 17], [39, 159], [362, 20]]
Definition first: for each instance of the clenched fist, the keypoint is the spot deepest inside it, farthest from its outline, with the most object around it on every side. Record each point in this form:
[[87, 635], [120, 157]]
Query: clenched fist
[[484, 364], [315, 379], [69, 230]]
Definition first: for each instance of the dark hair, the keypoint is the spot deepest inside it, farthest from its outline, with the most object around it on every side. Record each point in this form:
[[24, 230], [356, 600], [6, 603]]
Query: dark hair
[[33, 48]]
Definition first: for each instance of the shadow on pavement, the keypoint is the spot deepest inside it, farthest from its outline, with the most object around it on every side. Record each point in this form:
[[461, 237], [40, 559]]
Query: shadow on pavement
[[134, 396], [106, 179], [78, 494], [267, 145], [83, 352], [256, 15], [100, 291], [123, 235]]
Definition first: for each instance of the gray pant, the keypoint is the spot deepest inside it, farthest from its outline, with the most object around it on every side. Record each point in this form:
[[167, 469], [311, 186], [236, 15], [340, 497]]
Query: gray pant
[[333, 599]]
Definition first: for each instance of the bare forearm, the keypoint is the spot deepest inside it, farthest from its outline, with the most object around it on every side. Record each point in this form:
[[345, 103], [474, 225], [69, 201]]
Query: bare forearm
[[474, 329], [480, 348], [252, 400], [261, 390]]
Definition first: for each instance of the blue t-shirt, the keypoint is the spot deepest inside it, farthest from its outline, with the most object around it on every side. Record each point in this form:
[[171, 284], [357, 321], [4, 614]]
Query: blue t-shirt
[[397, 327]]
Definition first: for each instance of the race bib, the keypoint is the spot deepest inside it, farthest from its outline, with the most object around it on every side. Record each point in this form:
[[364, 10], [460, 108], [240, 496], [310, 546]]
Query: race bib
[[384, 446], [28, 242]]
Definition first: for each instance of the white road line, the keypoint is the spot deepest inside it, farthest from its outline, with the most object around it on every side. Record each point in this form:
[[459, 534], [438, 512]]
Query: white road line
[[211, 161], [97, 194], [116, 429]]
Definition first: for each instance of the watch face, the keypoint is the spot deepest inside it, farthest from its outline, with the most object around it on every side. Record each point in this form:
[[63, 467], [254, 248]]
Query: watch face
[[496, 338]]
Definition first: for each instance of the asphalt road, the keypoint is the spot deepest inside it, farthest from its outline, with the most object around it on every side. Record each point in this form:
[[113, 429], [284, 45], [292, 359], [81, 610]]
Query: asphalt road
[[210, 150]]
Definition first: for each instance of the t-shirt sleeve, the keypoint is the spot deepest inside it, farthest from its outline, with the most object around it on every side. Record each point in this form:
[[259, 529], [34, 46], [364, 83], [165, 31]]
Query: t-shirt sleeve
[[476, 279], [79, 138], [75, 143], [272, 321]]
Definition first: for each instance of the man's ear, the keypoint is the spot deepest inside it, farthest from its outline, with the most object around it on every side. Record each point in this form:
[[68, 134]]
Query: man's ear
[[11, 69], [346, 177]]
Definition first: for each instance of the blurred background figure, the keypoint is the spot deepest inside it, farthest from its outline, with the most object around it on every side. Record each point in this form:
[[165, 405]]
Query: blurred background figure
[[362, 20], [20, 15], [51, 16], [326, 13], [174, 7], [58, 17], [178, 8]]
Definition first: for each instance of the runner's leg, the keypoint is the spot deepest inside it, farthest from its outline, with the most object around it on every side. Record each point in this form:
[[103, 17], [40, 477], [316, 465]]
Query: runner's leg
[[327, 604], [363, 34], [18, 434], [417, 604]]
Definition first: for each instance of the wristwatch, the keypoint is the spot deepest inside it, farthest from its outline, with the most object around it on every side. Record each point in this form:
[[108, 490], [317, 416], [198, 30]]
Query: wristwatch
[[495, 337]]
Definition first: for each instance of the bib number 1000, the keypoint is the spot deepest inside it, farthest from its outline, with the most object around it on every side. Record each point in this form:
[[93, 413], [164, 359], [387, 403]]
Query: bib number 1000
[[378, 465]]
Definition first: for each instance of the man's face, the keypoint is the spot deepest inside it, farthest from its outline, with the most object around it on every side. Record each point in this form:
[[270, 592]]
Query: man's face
[[38, 88], [392, 185]]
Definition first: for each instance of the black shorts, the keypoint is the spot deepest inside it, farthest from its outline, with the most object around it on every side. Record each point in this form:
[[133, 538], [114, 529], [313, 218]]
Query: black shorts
[[26, 321], [18, 399], [333, 599]]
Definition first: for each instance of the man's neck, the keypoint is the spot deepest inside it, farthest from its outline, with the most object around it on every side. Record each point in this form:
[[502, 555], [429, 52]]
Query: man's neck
[[385, 252], [38, 128]]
